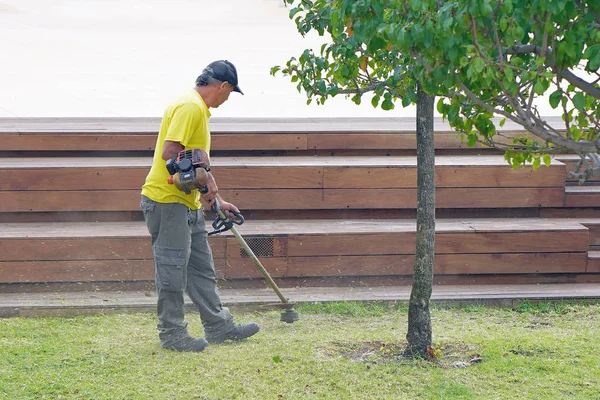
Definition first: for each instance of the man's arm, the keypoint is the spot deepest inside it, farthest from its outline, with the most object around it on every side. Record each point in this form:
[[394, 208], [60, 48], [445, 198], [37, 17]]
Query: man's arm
[[171, 149]]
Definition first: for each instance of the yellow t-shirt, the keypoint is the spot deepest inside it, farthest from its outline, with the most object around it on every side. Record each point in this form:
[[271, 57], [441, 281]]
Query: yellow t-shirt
[[184, 121]]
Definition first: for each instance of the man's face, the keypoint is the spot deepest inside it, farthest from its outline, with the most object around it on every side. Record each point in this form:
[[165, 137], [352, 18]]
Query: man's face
[[225, 89]]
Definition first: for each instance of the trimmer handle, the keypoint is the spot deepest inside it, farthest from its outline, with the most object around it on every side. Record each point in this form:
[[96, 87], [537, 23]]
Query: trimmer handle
[[222, 221]]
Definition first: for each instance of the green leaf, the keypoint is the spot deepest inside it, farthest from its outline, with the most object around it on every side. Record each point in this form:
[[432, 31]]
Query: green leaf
[[485, 8], [540, 61], [540, 86], [277, 359], [406, 101], [555, 98], [375, 101], [579, 101], [502, 122], [322, 87], [503, 23], [472, 141], [376, 44], [387, 105], [547, 160], [478, 64], [508, 72], [536, 163], [441, 107], [275, 69]]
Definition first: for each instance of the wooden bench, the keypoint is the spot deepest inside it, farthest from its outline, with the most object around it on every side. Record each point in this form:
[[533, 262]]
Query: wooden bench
[[101, 252], [92, 170], [316, 135], [288, 183]]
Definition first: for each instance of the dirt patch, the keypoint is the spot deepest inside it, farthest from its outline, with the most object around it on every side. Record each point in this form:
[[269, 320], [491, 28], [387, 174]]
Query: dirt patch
[[446, 355]]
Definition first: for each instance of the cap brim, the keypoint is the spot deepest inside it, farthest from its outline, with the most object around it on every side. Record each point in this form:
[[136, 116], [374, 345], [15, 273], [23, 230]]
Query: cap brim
[[236, 88]]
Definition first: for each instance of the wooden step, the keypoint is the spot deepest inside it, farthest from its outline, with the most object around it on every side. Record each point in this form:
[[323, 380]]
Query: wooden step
[[582, 196], [264, 183], [593, 264], [571, 160], [101, 252], [294, 134], [593, 224]]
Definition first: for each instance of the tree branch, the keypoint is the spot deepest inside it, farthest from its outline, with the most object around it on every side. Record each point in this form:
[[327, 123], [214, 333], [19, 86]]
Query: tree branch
[[563, 73], [483, 104]]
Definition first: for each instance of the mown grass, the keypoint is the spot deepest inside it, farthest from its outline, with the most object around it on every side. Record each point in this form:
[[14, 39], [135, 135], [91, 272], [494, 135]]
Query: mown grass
[[336, 351]]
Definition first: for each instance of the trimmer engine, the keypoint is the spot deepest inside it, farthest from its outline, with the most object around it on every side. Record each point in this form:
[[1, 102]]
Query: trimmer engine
[[188, 170]]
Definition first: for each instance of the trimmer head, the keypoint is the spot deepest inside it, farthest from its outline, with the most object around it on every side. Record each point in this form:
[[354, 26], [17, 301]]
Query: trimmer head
[[290, 316]]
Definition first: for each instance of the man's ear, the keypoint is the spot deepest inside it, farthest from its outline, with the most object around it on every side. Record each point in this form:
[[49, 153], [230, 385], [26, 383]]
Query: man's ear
[[224, 85]]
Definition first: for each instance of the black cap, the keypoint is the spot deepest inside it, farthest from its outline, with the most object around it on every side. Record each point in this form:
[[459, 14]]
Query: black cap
[[224, 71]]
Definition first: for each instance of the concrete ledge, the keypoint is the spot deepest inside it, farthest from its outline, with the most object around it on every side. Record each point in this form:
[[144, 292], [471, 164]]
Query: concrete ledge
[[94, 303]]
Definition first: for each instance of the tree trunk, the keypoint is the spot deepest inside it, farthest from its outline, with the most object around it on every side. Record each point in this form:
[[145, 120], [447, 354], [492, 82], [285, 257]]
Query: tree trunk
[[419, 320]]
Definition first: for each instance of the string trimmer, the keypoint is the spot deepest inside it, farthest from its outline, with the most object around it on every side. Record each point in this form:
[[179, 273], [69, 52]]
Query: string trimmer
[[188, 171], [223, 223]]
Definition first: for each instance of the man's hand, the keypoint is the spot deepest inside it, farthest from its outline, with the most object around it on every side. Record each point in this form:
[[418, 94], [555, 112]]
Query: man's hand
[[228, 208], [211, 185]]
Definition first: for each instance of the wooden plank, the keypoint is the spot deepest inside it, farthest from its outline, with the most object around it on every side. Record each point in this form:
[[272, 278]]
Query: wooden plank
[[242, 268], [287, 199], [445, 243], [247, 124], [51, 249], [444, 264], [594, 234], [268, 177], [445, 198], [100, 139], [350, 266], [400, 140], [582, 196], [61, 179], [286, 177], [456, 161], [70, 271], [307, 227], [462, 176], [77, 142], [74, 249], [593, 262], [526, 263], [259, 141], [102, 200], [55, 230], [351, 244], [404, 140]]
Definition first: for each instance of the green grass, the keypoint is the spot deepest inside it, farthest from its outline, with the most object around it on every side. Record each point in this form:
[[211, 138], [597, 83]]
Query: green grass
[[336, 351]]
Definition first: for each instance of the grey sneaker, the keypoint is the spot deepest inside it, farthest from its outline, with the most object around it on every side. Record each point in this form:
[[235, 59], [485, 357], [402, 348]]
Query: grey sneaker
[[241, 331], [188, 344]]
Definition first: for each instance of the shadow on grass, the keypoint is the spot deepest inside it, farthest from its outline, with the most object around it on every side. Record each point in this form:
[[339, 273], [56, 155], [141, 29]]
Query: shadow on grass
[[445, 355]]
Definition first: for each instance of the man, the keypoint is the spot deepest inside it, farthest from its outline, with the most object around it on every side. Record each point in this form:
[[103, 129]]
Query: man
[[182, 255]]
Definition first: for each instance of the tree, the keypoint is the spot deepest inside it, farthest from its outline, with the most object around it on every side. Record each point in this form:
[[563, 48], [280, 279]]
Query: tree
[[344, 68], [419, 335], [485, 58]]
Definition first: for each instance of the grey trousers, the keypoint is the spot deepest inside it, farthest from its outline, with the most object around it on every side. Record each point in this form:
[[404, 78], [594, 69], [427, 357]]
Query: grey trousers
[[183, 261]]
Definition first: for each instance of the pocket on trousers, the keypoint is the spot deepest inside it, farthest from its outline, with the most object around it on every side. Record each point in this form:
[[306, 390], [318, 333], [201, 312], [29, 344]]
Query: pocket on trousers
[[170, 272], [147, 205]]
